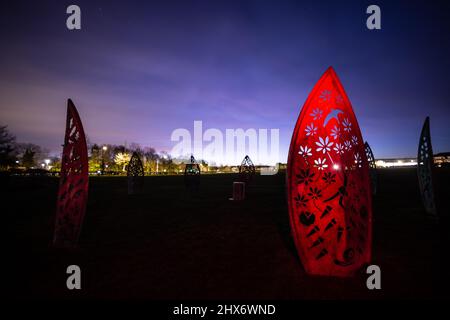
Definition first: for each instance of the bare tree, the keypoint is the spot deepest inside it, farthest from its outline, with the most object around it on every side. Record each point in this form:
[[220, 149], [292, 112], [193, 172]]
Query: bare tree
[[7, 147]]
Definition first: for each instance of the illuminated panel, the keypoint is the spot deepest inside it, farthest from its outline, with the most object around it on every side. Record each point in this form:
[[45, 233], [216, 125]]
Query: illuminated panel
[[328, 183], [73, 183], [425, 166]]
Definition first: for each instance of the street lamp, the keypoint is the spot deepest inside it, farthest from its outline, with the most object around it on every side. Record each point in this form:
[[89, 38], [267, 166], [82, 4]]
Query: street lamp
[[104, 148], [47, 162]]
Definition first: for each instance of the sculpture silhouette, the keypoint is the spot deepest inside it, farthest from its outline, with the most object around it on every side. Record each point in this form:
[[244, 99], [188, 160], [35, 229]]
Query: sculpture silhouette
[[192, 174], [246, 170], [372, 167], [425, 169], [135, 174]]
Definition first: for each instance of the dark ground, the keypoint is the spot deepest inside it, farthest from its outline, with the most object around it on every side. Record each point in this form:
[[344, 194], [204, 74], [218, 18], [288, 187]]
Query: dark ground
[[170, 244]]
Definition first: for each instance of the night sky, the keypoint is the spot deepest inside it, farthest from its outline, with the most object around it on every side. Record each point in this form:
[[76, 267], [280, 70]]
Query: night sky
[[138, 70]]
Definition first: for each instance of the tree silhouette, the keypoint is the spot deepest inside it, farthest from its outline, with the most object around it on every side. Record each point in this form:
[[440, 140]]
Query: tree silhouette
[[28, 160], [7, 147]]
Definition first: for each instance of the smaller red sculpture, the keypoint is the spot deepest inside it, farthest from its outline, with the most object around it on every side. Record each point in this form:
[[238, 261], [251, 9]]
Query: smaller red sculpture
[[73, 183], [238, 191]]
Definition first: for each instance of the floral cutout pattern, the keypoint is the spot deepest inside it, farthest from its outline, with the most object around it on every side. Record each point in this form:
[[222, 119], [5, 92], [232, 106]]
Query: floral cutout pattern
[[305, 151], [316, 114], [311, 130], [320, 163], [324, 145]]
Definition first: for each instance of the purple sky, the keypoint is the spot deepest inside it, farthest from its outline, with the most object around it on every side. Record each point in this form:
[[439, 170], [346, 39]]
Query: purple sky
[[138, 70]]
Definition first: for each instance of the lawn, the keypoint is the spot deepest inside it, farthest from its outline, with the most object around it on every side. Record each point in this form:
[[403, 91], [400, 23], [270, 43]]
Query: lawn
[[168, 243]]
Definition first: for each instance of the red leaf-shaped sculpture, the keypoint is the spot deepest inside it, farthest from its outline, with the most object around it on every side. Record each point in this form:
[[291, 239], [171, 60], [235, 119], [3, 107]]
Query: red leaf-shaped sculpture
[[425, 169], [73, 183], [329, 191]]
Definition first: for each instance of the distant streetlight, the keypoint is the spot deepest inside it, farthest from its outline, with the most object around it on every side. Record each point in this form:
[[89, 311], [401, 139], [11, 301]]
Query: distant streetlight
[[47, 162], [104, 148]]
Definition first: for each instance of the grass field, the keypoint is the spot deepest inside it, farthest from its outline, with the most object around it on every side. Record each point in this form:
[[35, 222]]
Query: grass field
[[168, 243]]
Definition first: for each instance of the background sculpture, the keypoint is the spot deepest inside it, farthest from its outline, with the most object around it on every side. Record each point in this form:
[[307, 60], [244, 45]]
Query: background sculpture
[[372, 167], [425, 169], [328, 183], [73, 183], [135, 174], [192, 174], [246, 170]]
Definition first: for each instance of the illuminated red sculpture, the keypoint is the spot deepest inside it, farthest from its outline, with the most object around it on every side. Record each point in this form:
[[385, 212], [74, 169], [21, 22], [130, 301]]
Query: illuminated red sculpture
[[328, 183], [73, 183], [425, 169]]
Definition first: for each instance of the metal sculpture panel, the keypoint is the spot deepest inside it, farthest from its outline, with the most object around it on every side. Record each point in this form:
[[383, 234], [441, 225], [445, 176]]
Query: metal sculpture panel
[[246, 170], [238, 191], [73, 183], [192, 174], [372, 167], [328, 183], [135, 174], [425, 167]]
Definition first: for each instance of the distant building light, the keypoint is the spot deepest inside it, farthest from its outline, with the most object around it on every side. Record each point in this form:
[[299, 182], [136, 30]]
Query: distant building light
[[396, 163]]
